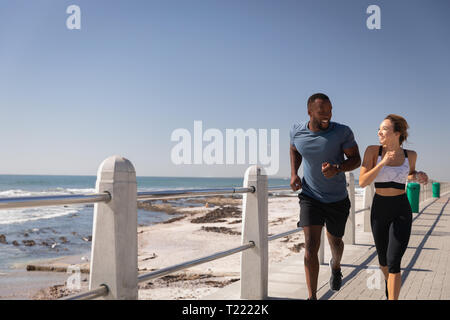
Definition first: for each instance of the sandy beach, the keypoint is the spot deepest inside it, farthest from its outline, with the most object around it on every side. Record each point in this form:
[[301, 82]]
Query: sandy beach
[[194, 232]]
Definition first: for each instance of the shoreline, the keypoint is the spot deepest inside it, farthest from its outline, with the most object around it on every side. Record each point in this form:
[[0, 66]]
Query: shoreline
[[195, 231]]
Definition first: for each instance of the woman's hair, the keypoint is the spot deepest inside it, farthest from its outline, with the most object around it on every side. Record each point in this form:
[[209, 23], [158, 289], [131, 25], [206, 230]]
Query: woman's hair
[[400, 125]]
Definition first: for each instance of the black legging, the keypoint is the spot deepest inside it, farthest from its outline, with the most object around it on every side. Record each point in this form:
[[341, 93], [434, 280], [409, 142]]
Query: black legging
[[391, 219]]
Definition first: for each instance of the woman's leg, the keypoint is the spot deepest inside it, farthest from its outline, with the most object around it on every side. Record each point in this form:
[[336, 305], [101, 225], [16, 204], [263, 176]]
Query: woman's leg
[[394, 284], [380, 232], [385, 271], [399, 233]]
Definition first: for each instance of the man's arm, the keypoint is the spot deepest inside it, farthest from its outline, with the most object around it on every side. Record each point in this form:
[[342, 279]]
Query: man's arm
[[352, 162], [296, 161]]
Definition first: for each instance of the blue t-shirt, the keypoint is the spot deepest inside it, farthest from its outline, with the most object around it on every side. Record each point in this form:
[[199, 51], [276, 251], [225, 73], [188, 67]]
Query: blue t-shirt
[[316, 148]]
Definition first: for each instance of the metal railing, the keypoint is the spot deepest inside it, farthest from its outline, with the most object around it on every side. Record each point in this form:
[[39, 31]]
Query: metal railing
[[187, 193], [59, 200], [362, 210], [101, 291], [192, 263], [45, 201], [114, 276], [184, 193]]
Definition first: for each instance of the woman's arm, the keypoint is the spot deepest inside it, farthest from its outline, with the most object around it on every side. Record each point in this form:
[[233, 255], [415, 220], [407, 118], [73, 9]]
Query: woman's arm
[[412, 157], [415, 176], [370, 169], [366, 174]]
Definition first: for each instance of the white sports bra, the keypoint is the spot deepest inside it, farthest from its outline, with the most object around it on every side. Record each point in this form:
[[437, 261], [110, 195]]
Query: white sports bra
[[392, 176]]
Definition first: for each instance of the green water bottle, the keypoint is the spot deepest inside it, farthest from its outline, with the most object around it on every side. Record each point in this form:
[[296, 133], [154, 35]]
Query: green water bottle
[[436, 189], [413, 192]]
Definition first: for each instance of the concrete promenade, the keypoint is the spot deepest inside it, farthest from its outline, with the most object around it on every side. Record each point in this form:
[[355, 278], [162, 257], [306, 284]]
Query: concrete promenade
[[425, 265]]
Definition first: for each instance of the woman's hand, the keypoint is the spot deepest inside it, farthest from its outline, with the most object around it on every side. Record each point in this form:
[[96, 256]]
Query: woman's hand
[[422, 177], [389, 157]]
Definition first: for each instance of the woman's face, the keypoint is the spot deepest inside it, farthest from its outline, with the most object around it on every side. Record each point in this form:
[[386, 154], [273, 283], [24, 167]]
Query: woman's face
[[386, 134]]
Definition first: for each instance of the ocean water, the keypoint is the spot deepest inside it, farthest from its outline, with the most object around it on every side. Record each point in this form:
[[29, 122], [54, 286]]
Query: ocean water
[[63, 230]]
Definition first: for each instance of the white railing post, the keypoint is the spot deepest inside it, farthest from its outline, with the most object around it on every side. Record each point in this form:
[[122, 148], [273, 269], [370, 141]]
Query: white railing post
[[349, 236], [114, 237], [421, 197], [425, 191], [254, 261], [430, 189], [369, 192]]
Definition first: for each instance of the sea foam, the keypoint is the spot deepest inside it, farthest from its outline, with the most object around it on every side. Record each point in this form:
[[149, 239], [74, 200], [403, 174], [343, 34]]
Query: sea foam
[[31, 214]]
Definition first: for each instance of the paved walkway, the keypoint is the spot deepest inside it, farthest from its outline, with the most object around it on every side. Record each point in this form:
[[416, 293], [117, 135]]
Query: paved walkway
[[425, 265]]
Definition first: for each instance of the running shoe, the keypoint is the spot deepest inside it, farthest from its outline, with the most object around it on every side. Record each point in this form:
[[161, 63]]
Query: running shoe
[[335, 278]]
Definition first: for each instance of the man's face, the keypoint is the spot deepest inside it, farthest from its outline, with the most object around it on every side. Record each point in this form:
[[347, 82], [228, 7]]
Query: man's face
[[320, 113]]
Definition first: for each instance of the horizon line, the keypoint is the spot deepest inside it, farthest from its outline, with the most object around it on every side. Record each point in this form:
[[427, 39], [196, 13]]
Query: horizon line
[[86, 175]]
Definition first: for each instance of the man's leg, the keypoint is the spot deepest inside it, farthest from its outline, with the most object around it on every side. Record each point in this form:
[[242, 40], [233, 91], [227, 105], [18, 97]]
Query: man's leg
[[337, 215], [312, 244], [337, 249]]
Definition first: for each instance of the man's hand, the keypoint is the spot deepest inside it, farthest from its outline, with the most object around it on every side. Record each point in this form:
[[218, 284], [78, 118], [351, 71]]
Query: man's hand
[[329, 170], [296, 183]]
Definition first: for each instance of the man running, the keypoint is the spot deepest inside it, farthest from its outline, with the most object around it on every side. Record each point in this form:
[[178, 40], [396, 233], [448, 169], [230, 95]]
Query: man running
[[321, 144]]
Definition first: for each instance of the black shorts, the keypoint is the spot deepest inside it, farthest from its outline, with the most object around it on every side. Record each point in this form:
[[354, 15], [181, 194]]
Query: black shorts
[[315, 213]]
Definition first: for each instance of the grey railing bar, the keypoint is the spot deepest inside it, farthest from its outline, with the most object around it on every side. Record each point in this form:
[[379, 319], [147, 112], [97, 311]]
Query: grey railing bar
[[183, 193], [184, 265], [284, 234], [43, 201], [361, 210], [56, 200], [91, 294], [281, 188]]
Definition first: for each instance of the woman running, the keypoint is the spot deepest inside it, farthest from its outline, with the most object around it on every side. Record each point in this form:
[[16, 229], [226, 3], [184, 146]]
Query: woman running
[[390, 167]]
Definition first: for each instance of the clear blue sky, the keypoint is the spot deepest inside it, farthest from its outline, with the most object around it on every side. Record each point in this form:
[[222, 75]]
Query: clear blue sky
[[149, 67]]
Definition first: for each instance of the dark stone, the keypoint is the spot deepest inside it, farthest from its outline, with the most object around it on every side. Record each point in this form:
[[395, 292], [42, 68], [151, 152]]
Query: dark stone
[[28, 243]]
